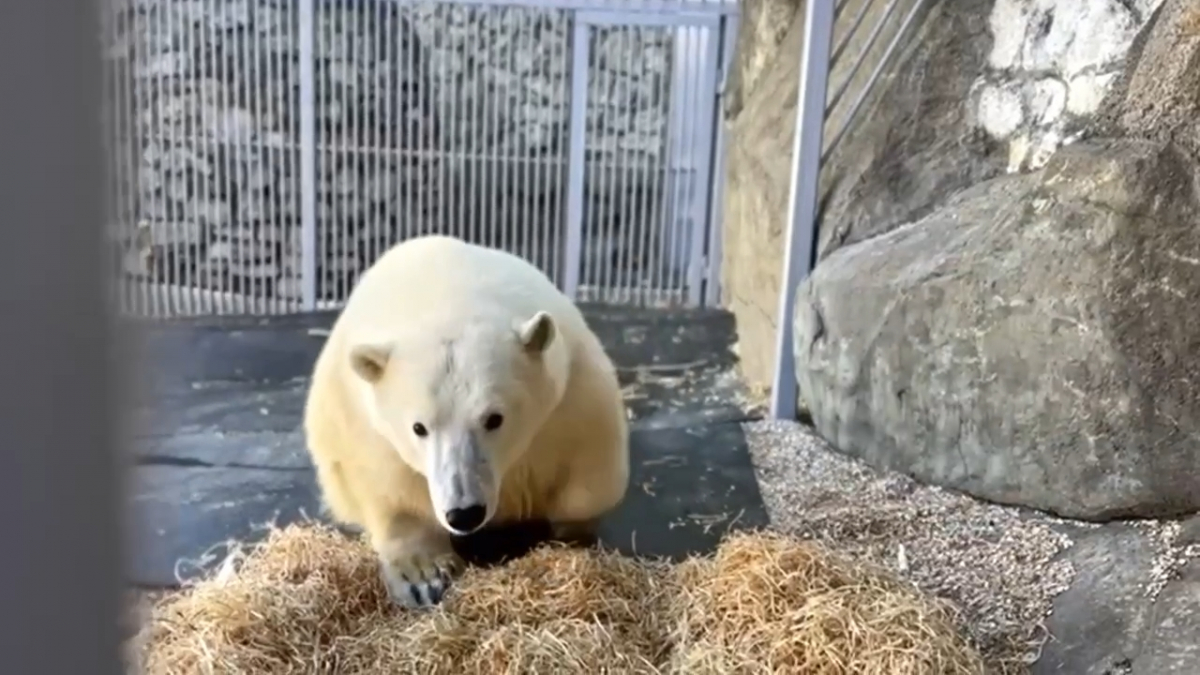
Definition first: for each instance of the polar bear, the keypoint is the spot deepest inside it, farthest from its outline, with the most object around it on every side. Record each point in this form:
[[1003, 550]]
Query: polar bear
[[460, 388]]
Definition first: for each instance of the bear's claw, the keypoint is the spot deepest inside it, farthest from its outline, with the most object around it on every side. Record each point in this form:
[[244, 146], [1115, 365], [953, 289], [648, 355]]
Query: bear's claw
[[419, 580]]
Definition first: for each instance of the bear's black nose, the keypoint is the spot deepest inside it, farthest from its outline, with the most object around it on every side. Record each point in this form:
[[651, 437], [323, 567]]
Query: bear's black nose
[[468, 519]]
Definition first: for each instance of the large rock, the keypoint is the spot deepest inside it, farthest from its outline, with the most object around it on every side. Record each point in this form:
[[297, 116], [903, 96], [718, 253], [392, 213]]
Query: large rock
[[976, 88], [1158, 95], [1132, 607], [1033, 342]]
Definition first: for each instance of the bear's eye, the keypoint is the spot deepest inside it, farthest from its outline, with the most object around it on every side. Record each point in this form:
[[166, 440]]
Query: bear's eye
[[492, 422], [420, 430]]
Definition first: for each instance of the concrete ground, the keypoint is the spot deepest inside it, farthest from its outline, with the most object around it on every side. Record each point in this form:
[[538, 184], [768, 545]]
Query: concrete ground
[[218, 449]]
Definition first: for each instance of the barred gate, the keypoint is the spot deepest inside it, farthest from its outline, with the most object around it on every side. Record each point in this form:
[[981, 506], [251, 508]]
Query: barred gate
[[265, 152]]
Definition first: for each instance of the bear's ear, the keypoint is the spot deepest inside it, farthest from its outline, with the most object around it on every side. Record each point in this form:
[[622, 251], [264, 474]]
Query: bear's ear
[[537, 333], [369, 360]]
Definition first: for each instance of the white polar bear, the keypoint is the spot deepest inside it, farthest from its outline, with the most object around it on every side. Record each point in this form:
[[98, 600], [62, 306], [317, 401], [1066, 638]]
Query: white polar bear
[[459, 388]]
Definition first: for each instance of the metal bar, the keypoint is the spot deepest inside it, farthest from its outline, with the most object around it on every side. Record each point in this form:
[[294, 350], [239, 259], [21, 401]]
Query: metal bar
[[862, 55], [694, 15], [709, 114], [854, 26], [53, 183], [623, 278], [668, 8], [642, 213], [308, 156], [870, 84], [577, 138], [802, 205], [716, 220]]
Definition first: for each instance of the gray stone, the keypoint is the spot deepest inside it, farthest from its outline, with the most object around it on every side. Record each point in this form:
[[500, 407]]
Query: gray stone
[[1189, 532], [1096, 625], [915, 142], [1173, 644], [1028, 342]]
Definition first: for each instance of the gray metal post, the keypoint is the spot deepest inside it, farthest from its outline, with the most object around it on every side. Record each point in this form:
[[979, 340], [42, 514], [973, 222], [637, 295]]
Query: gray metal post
[[576, 167], [308, 156], [62, 355], [802, 206], [716, 217]]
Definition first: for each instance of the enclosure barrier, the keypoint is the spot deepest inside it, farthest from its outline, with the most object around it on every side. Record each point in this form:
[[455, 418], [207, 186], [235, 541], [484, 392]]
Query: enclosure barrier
[[808, 156], [265, 152]]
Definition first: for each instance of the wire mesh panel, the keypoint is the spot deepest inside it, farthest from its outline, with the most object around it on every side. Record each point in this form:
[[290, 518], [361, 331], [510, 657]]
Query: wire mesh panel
[[202, 121], [264, 153], [650, 100], [441, 119]]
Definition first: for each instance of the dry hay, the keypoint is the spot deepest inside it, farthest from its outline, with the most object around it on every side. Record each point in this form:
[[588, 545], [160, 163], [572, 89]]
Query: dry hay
[[308, 600]]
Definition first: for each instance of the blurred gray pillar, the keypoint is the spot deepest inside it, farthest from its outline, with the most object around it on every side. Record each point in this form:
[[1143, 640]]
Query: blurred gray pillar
[[62, 549]]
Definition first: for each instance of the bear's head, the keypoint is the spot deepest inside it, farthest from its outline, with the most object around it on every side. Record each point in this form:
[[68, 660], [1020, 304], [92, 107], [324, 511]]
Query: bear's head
[[461, 402]]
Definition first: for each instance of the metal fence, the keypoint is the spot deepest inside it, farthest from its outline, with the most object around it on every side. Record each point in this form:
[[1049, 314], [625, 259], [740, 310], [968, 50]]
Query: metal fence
[[265, 152], [812, 147]]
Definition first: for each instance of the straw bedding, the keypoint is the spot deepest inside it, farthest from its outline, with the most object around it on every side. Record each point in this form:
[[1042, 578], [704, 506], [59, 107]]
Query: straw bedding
[[309, 600]]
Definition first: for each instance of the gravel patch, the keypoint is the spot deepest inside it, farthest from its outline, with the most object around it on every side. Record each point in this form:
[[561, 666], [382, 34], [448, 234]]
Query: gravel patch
[[996, 563]]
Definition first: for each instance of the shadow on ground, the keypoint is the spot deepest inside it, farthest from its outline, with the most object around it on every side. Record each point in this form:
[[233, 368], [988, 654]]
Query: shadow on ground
[[219, 452]]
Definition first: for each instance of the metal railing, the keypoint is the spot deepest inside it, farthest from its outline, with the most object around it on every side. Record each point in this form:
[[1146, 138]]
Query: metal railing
[[265, 152], [810, 152]]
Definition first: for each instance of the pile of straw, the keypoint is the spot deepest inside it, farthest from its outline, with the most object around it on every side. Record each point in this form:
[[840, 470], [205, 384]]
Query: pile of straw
[[308, 600]]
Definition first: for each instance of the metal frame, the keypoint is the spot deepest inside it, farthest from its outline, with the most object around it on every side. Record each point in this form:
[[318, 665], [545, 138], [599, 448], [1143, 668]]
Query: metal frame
[[716, 209], [802, 205], [688, 185], [808, 159], [308, 156], [703, 221]]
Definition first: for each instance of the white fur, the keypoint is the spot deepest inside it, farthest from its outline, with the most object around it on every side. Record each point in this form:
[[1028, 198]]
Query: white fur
[[443, 333]]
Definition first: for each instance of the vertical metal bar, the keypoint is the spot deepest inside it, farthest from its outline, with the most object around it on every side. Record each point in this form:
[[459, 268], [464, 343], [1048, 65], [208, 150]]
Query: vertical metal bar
[[192, 220], [277, 221], [292, 156], [709, 116], [372, 120], [577, 130], [308, 157], [344, 149], [491, 150], [716, 217], [664, 204], [802, 205], [417, 152], [227, 152], [682, 156], [631, 36], [261, 158], [467, 112], [517, 230], [599, 172], [358, 201], [162, 137], [644, 204], [482, 164], [143, 92], [449, 139], [239, 73]]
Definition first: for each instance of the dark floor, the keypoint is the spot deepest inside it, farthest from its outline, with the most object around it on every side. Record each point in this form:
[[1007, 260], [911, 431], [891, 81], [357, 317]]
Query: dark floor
[[219, 448]]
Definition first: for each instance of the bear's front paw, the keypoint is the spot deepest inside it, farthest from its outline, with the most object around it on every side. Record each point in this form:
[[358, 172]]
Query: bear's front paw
[[420, 578]]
